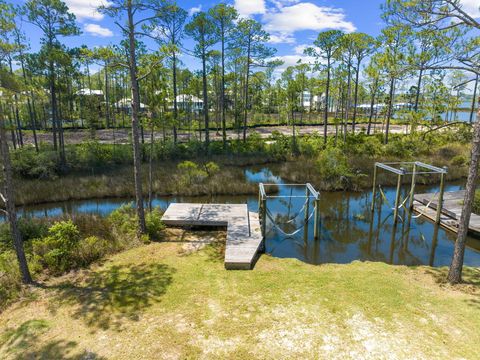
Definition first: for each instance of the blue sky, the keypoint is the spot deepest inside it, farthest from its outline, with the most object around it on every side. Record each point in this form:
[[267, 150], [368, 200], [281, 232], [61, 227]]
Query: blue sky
[[293, 24]]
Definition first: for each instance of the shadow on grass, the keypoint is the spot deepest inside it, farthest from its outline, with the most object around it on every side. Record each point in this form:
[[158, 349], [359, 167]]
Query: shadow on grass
[[21, 338], [470, 282], [108, 296], [216, 251], [59, 349], [23, 343]]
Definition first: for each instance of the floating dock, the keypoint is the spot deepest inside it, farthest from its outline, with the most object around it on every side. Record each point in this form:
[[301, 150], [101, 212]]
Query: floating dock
[[244, 236], [426, 204]]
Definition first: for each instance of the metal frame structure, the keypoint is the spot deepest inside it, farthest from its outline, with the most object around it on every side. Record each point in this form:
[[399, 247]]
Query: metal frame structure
[[401, 172], [309, 192]]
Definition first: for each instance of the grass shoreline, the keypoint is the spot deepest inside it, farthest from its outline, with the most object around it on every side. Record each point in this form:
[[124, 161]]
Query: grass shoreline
[[164, 300]]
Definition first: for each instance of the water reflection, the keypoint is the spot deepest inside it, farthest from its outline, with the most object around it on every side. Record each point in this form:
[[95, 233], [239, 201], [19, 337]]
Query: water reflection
[[348, 230]]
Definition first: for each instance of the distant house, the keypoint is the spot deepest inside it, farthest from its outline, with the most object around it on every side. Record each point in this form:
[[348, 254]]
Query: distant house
[[312, 102], [186, 102], [125, 105], [90, 92]]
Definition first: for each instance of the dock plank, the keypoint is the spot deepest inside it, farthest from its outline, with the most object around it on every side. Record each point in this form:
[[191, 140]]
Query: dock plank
[[426, 204], [244, 237]]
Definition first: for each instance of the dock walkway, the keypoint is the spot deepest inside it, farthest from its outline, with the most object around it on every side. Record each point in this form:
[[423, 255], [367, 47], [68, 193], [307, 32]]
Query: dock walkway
[[451, 209], [244, 236]]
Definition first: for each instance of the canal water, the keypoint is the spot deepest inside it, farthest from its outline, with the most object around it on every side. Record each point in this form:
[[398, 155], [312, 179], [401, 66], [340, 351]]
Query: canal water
[[348, 230]]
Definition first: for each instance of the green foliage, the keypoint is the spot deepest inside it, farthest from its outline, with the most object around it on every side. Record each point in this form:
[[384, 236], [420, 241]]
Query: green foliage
[[192, 173], [123, 221], [154, 223], [29, 229], [56, 251], [32, 165], [459, 160], [476, 203], [91, 249], [333, 167], [211, 168], [10, 280]]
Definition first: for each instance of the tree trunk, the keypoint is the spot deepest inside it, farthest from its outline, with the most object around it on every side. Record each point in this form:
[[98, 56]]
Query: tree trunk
[[372, 103], [135, 126], [455, 272], [246, 92], [390, 105], [107, 96], [355, 100], [9, 199], [205, 100], [222, 92], [474, 98], [327, 93], [175, 105], [419, 85]]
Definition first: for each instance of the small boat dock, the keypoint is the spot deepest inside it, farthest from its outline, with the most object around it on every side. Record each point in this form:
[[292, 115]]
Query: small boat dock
[[426, 204], [244, 236]]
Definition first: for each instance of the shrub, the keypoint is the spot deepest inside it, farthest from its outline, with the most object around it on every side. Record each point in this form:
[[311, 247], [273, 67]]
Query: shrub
[[211, 168], [27, 163], [333, 168], [123, 221], [29, 229], [92, 154], [154, 223], [459, 160], [190, 173], [10, 280], [56, 251], [476, 203], [91, 249]]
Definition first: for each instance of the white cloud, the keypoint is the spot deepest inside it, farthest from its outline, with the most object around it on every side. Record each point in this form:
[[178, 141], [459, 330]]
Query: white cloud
[[194, 10], [292, 60], [281, 38], [97, 30], [86, 9], [471, 7], [284, 21], [250, 7]]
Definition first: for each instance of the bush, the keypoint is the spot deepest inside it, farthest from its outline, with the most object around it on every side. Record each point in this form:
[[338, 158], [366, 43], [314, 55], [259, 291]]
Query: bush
[[56, 251], [459, 160], [123, 221], [333, 168], [91, 249], [29, 229], [476, 203], [192, 173], [154, 223], [29, 164], [10, 280]]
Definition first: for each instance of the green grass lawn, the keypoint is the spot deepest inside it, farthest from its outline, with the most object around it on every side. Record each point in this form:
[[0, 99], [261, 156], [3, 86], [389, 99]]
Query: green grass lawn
[[174, 300]]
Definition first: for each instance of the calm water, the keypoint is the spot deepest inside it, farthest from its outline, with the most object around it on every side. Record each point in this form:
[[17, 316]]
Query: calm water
[[346, 230]]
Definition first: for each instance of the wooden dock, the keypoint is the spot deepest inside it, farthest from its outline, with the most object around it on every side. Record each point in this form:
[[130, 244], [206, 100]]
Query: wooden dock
[[244, 236], [451, 210]]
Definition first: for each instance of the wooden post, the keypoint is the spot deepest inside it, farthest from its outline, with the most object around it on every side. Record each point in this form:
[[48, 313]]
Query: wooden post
[[374, 190], [259, 197], [412, 188], [397, 196], [307, 194], [264, 216], [440, 197], [316, 218]]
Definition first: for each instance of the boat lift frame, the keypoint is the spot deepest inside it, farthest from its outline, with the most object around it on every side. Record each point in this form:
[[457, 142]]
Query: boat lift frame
[[310, 192], [418, 168]]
